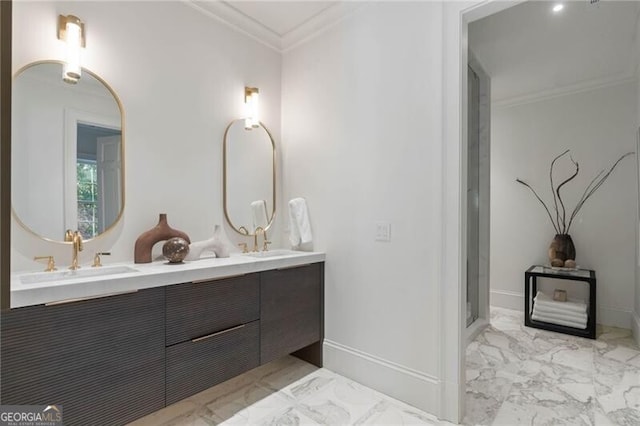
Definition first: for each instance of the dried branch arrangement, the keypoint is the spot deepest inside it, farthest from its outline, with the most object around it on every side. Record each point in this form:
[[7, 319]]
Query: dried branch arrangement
[[559, 219]]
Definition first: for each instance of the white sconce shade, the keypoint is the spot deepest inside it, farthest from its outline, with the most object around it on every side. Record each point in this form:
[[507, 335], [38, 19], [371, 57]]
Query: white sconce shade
[[71, 30], [252, 119]]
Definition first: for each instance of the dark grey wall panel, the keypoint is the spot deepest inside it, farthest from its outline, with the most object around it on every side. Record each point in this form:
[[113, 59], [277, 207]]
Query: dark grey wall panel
[[103, 356], [198, 309], [195, 366], [290, 311]]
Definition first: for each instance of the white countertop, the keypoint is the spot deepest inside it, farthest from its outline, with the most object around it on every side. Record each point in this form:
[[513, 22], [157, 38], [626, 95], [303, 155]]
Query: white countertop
[[148, 275]]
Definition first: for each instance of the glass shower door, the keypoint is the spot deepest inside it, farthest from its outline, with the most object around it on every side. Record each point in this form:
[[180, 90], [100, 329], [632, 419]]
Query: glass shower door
[[473, 197]]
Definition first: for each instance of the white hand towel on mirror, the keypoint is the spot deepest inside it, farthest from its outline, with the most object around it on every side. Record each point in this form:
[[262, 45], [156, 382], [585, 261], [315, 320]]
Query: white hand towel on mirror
[[299, 225], [570, 305], [259, 214]]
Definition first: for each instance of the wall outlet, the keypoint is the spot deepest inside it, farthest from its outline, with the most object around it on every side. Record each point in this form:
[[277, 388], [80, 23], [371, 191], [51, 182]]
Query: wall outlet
[[383, 231]]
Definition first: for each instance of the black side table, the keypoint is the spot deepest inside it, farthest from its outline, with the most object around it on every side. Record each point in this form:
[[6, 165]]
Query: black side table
[[531, 289]]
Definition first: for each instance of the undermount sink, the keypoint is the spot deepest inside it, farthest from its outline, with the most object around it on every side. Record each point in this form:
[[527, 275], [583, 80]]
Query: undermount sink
[[41, 277], [271, 253]]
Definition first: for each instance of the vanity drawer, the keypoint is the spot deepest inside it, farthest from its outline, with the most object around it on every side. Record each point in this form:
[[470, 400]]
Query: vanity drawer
[[194, 366], [202, 308]]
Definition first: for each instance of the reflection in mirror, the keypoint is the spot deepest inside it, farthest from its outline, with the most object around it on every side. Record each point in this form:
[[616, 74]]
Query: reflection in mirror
[[67, 146], [249, 177]]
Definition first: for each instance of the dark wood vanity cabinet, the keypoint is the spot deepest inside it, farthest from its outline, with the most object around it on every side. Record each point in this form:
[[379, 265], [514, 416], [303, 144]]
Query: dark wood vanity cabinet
[[102, 359], [113, 359], [212, 333], [292, 313]]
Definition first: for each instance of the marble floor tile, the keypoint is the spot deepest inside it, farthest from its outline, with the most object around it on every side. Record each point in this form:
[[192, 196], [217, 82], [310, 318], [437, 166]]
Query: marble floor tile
[[340, 401], [556, 380], [515, 375], [288, 392]]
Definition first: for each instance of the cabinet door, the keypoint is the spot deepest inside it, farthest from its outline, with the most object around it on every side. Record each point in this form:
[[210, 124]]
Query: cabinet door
[[101, 359], [290, 310], [199, 309], [198, 364]]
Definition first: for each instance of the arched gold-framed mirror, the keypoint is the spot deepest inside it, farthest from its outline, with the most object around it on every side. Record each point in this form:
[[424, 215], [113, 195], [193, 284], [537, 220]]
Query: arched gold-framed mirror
[[249, 177], [68, 153]]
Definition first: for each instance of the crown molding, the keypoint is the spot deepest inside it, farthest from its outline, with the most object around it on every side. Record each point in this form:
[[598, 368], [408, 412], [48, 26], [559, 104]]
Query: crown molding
[[319, 23], [309, 29], [238, 21], [584, 86]]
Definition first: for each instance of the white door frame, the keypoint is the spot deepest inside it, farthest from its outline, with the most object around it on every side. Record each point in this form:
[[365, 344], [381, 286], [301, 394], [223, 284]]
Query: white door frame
[[456, 18]]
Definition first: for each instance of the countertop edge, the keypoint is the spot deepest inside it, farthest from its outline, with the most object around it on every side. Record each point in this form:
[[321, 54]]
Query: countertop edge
[[155, 274]]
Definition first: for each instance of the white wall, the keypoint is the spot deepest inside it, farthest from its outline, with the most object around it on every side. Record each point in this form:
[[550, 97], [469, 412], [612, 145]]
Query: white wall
[[362, 142], [179, 90], [598, 126]]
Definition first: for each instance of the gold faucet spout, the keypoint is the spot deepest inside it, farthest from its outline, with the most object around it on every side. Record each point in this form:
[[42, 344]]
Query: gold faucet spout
[[75, 238], [259, 230]]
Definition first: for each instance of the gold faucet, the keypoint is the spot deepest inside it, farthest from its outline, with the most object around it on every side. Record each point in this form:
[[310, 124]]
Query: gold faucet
[[75, 238], [259, 230], [96, 259], [51, 264]]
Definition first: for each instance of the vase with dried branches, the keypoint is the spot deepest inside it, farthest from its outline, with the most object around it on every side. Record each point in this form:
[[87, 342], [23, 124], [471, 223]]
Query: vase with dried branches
[[562, 252]]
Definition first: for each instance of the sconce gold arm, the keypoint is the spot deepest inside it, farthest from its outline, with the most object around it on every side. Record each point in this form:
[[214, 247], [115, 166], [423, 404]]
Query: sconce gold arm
[[62, 28]]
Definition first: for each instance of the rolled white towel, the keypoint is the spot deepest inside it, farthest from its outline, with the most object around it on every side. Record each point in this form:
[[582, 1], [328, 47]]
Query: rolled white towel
[[544, 318], [299, 224], [573, 305], [564, 316], [259, 214], [570, 315]]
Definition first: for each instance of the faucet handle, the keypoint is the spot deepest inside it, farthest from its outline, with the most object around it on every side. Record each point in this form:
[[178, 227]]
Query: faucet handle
[[244, 247], [51, 263], [96, 259], [265, 246]]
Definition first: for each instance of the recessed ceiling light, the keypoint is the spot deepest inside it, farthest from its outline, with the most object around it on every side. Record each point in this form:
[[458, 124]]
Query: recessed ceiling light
[[558, 7]]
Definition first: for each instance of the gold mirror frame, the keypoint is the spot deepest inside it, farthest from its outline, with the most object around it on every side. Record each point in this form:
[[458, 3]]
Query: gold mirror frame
[[14, 214], [225, 167]]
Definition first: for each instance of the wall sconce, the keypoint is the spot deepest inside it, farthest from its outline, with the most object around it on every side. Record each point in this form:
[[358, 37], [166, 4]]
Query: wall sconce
[[251, 108], [71, 30]]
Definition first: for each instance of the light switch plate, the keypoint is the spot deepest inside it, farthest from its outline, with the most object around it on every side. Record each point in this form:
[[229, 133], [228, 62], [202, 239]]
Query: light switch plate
[[383, 231]]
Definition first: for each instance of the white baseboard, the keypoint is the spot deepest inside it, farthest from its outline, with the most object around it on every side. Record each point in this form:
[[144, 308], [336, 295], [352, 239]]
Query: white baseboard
[[635, 327], [507, 299], [410, 386], [476, 328], [606, 315]]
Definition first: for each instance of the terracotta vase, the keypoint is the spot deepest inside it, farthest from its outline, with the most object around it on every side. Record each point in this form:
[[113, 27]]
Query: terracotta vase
[[562, 252], [161, 232]]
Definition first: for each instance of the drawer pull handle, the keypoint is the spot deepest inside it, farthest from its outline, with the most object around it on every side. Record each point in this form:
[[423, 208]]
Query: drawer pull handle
[[216, 279], [208, 336], [82, 299], [284, 268]]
